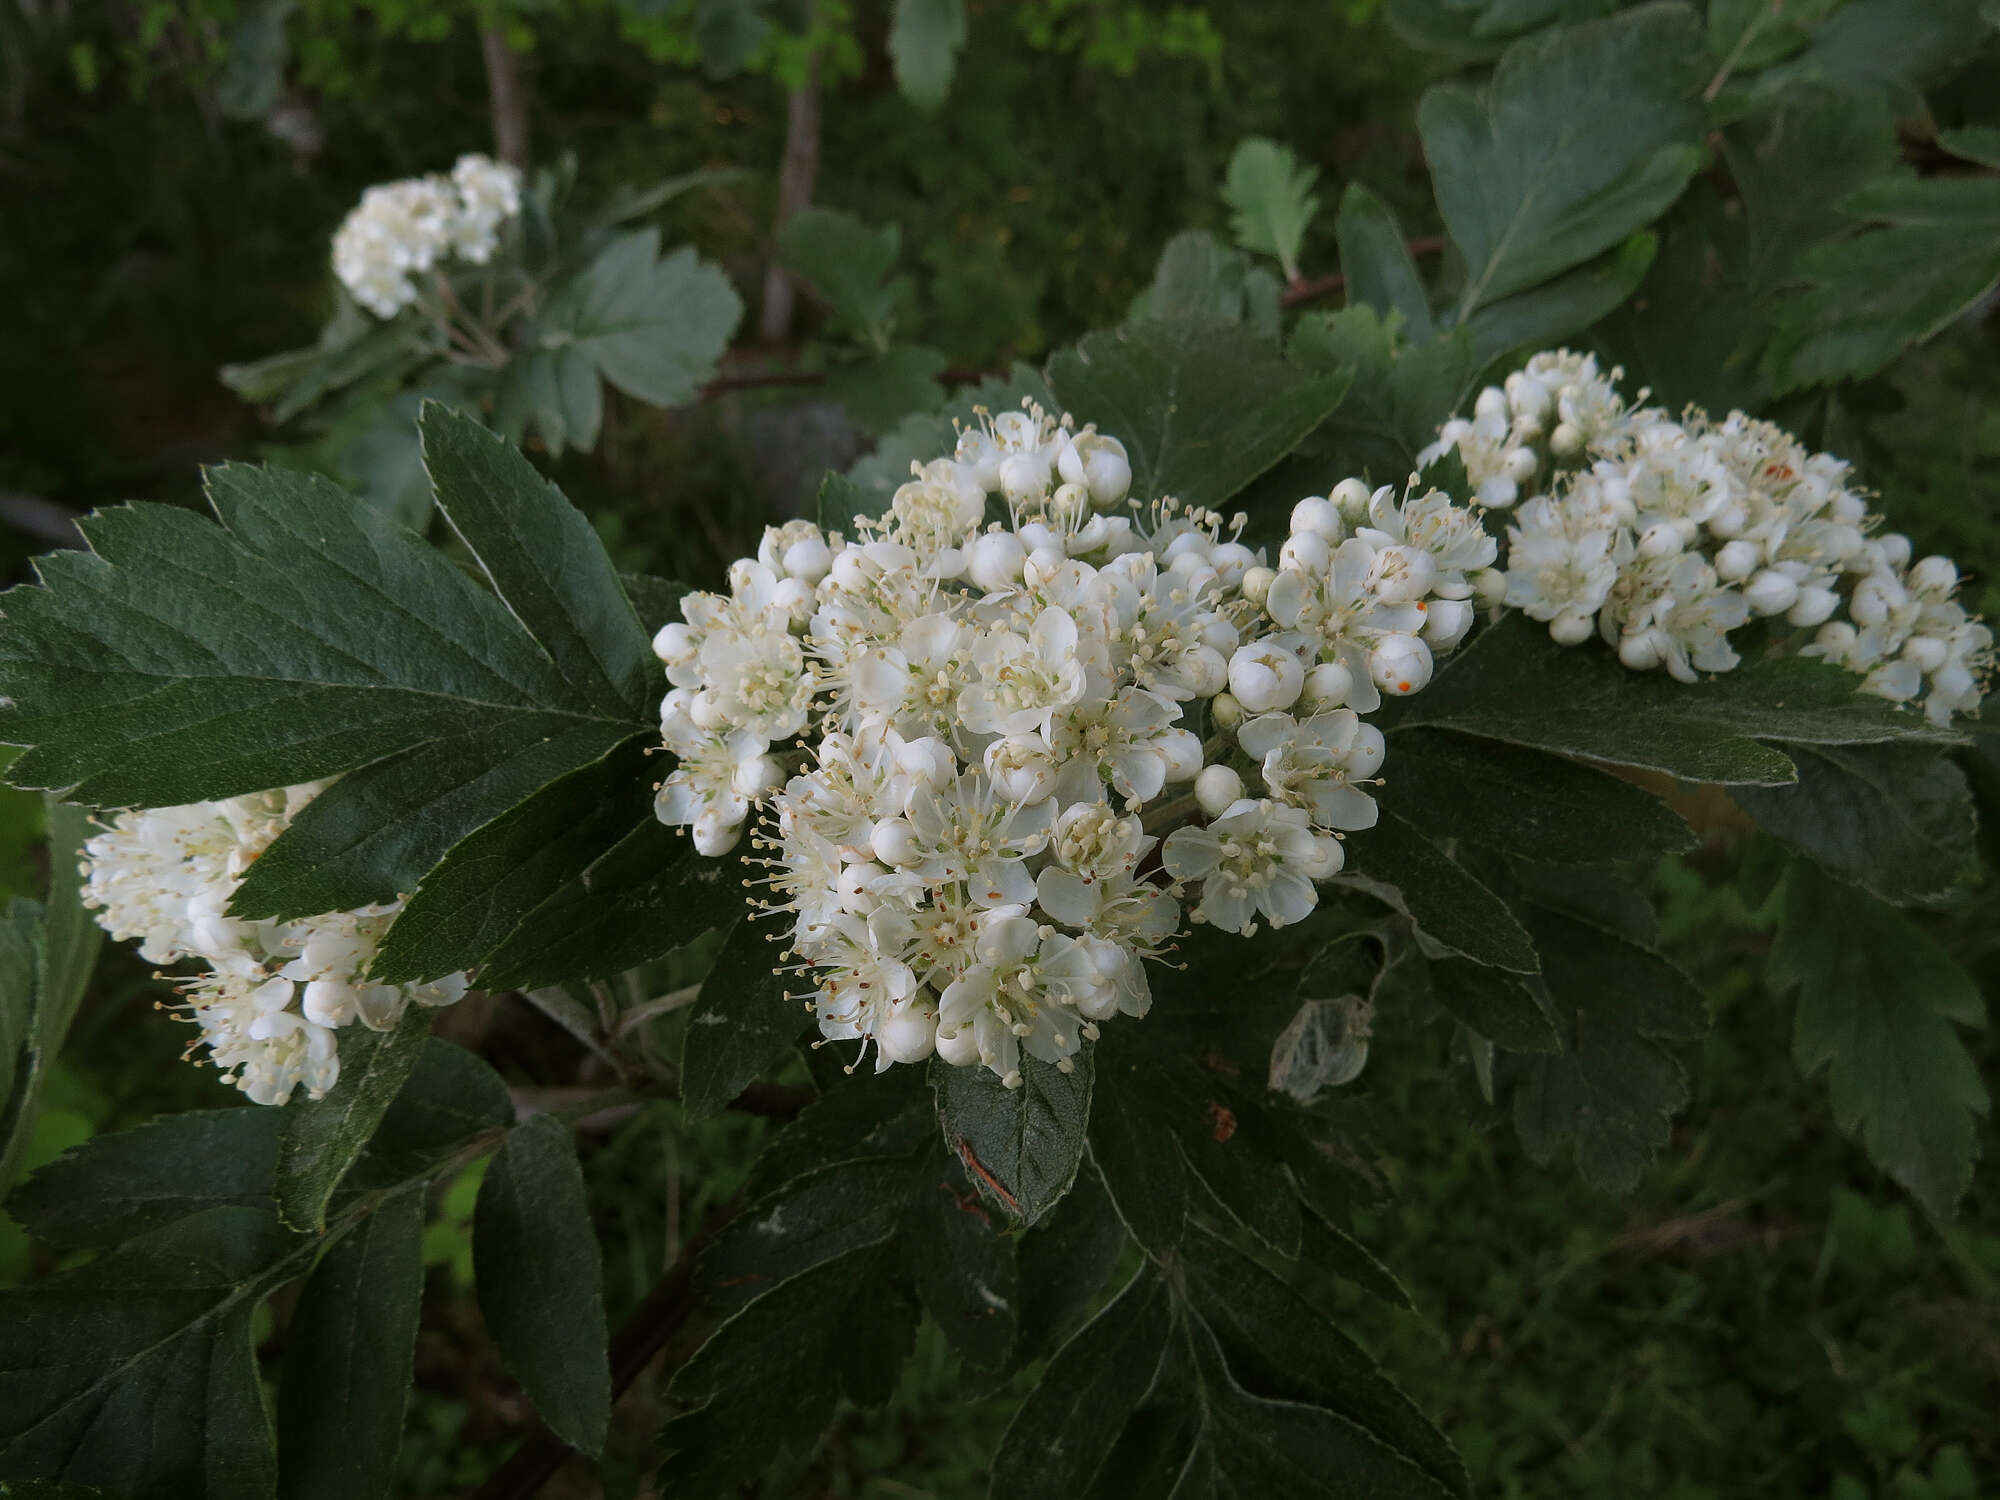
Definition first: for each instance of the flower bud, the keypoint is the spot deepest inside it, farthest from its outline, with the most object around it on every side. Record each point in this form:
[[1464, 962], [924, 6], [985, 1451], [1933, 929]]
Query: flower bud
[[1305, 550], [1520, 464], [1895, 549], [1498, 492], [894, 842], [1350, 498], [1216, 788], [1491, 402], [1771, 592], [1265, 677], [1225, 711], [1489, 588], [1327, 686], [1566, 440], [808, 559], [1024, 477], [713, 837], [1257, 585], [1836, 639], [1318, 515], [1661, 539], [1328, 855], [1206, 670], [1400, 664], [1446, 621], [1934, 575], [1182, 749], [957, 1047], [1640, 650], [1925, 652], [909, 1035], [674, 643], [328, 1002], [994, 561], [1814, 606], [1571, 628], [1737, 560]]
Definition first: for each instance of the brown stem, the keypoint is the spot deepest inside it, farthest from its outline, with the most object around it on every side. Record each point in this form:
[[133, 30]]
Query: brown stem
[[1325, 286], [649, 1329], [508, 99], [796, 175]]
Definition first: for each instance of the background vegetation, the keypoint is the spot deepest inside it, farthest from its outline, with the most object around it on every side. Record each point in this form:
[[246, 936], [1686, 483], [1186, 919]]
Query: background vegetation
[[1766, 1315]]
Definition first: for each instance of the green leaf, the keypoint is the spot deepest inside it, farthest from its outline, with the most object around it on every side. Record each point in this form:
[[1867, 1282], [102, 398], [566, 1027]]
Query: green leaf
[[1198, 277], [1796, 164], [181, 660], [1376, 262], [1879, 51], [119, 1186], [1496, 1005], [646, 895], [1515, 800], [1879, 1005], [1514, 684], [924, 42], [1148, 1185], [1063, 1261], [1863, 300], [1398, 862], [854, 1204], [741, 1022], [1271, 201], [541, 1280], [1586, 134], [544, 560], [1202, 408], [849, 266], [652, 325], [1398, 393], [840, 500], [1564, 307], [136, 1372], [878, 393], [1896, 820], [1975, 143], [1752, 34], [1280, 1346], [46, 956], [1020, 1145], [320, 1139], [485, 894], [1612, 1090], [1056, 1444], [348, 1353]]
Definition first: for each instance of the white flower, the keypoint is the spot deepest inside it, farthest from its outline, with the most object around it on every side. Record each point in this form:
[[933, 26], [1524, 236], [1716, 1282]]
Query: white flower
[[1251, 861], [1023, 679], [269, 995], [1319, 765]]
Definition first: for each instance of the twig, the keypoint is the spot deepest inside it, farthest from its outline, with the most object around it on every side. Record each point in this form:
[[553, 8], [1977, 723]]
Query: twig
[[797, 172], [1300, 292], [505, 96], [649, 1329]]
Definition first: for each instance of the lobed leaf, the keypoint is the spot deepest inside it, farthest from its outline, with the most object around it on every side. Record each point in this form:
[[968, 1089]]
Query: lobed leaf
[[1271, 201], [1203, 408], [1878, 1008], [741, 1022], [1586, 134]]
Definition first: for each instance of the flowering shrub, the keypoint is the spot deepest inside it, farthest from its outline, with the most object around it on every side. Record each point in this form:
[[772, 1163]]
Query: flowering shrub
[[1066, 751]]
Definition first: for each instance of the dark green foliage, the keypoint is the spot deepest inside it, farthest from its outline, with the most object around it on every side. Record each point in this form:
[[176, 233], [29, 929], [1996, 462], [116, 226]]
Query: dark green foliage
[[1202, 408], [320, 1139], [743, 1019], [541, 1288], [1879, 1006], [1022, 1145]]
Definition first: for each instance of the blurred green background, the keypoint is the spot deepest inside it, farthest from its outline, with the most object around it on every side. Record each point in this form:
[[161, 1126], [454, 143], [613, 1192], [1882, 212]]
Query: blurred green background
[[1766, 1316]]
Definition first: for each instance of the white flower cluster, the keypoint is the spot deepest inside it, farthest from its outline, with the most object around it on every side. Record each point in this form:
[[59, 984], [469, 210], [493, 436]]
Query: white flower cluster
[[1665, 534], [271, 994], [402, 229], [1001, 797]]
